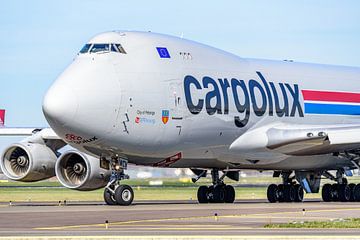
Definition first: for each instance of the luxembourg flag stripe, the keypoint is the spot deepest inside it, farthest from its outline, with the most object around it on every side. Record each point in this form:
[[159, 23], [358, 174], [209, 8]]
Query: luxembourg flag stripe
[[326, 102], [331, 96], [340, 109]]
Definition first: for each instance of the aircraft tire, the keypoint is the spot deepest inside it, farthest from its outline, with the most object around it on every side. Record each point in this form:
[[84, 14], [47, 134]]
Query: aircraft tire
[[357, 192], [109, 198], [219, 194], [327, 193], [202, 194], [272, 193], [335, 192], [229, 194], [124, 195], [281, 196], [299, 193], [289, 193], [352, 193], [210, 194], [344, 193], [344, 181]]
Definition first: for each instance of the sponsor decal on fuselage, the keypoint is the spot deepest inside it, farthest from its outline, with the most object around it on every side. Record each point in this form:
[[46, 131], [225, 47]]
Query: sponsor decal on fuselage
[[72, 138], [265, 98], [145, 112], [145, 117], [144, 120]]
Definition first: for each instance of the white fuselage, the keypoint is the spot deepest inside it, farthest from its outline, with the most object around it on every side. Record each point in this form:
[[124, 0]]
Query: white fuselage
[[189, 103]]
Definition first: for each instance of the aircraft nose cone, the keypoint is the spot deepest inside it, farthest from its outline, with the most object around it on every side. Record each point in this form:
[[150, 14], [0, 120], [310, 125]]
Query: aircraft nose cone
[[60, 105]]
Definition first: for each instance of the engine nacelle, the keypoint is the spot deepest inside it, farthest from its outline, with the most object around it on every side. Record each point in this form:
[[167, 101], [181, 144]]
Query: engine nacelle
[[79, 171], [28, 162]]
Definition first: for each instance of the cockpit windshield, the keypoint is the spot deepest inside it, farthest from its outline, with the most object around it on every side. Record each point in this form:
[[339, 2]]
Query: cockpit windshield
[[102, 47], [99, 48]]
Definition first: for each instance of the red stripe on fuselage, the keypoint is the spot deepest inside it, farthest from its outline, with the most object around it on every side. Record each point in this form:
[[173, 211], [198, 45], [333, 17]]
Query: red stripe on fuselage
[[328, 96]]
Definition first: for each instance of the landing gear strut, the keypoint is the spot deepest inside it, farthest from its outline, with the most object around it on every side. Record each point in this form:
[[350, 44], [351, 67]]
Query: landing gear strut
[[114, 193], [289, 191], [340, 191], [219, 192]]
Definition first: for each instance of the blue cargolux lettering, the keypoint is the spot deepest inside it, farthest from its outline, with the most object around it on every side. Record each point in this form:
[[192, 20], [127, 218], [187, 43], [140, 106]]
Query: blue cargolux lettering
[[260, 97]]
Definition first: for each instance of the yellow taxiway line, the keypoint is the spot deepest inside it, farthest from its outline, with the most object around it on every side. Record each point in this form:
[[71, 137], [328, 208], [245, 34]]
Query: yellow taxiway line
[[255, 215]]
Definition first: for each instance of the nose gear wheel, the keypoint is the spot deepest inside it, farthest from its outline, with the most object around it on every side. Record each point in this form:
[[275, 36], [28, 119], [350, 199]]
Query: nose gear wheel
[[114, 192]]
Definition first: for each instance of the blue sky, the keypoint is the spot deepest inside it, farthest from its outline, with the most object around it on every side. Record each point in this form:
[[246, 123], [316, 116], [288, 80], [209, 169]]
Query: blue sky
[[38, 39]]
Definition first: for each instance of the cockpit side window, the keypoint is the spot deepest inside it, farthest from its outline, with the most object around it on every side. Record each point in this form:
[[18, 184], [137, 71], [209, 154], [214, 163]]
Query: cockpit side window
[[85, 48], [113, 48], [100, 47], [120, 48]]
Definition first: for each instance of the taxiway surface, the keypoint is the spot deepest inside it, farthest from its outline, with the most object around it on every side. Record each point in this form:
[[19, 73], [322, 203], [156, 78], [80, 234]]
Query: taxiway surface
[[170, 218]]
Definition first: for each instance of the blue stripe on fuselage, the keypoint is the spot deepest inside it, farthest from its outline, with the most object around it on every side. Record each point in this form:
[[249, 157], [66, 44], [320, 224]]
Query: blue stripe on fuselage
[[340, 109]]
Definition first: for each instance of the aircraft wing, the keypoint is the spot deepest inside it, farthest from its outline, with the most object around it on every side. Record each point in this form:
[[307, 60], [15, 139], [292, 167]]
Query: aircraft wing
[[47, 133], [299, 140], [36, 135], [17, 131]]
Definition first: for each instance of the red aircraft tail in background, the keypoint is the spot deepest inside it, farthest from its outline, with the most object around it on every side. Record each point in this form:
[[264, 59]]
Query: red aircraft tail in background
[[2, 117]]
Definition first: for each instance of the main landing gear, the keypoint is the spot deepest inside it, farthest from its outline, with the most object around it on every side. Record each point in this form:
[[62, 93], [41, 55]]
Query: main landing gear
[[340, 191], [288, 191], [219, 192], [115, 193]]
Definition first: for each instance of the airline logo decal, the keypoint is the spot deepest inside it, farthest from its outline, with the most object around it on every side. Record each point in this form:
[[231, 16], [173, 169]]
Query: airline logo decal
[[272, 99], [328, 102], [165, 116], [163, 52]]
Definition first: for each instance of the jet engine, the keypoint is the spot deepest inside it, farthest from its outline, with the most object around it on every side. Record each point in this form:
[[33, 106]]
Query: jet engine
[[79, 171], [28, 162]]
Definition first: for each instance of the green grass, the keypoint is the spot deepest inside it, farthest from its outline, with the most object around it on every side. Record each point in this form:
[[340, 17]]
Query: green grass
[[141, 193], [172, 189], [262, 180], [338, 223]]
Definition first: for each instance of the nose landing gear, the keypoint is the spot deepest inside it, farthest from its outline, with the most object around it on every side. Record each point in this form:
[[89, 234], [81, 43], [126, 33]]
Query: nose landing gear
[[219, 192], [115, 193]]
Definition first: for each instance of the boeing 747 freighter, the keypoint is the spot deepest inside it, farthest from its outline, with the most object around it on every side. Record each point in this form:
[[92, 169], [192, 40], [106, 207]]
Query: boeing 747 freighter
[[157, 100]]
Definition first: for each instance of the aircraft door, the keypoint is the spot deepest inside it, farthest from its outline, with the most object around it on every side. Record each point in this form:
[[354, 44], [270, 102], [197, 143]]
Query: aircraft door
[[175, 103]]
